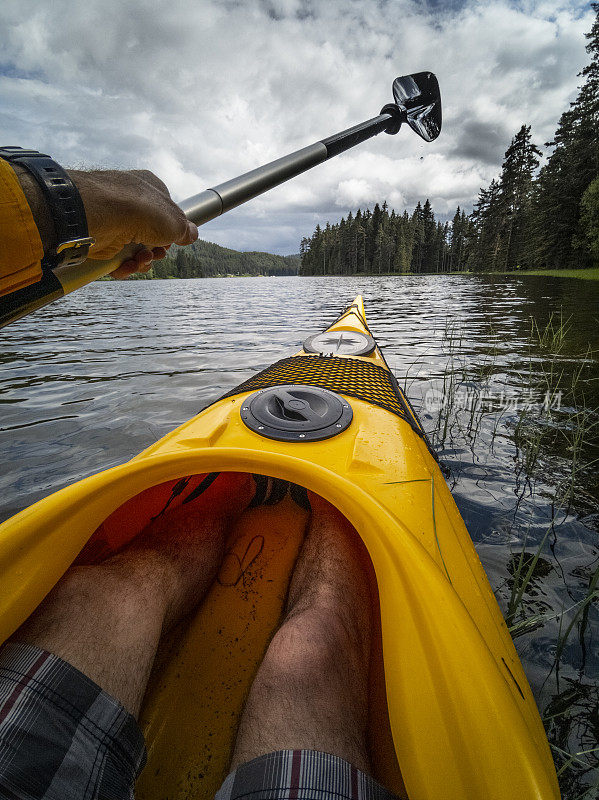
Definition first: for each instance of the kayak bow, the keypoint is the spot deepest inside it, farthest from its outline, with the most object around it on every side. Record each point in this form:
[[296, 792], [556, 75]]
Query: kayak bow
[[463, 720]]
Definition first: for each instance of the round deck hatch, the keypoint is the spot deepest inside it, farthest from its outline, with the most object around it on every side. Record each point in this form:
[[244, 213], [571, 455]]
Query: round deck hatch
[[340, 343], [296, 413]]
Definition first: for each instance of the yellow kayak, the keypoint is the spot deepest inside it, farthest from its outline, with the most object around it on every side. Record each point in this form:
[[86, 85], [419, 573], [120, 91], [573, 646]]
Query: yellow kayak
[[456, 715]]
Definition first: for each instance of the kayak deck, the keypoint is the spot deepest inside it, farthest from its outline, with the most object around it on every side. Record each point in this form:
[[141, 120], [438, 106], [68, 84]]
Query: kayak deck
[[462, 717]]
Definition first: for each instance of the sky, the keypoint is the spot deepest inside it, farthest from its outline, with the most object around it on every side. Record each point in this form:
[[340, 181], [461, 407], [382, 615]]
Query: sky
[[200, 92]]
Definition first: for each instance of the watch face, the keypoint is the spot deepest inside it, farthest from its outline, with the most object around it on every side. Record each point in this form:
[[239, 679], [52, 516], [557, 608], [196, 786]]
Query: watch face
[[73, 252], [340, 343], [76, 244]]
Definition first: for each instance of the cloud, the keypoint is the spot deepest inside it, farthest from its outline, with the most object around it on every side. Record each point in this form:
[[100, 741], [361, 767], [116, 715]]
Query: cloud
[[201, 92], [482, 142]]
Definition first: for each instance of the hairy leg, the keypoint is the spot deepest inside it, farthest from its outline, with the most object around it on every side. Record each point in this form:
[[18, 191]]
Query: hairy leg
[[311, 690], [107, 619]]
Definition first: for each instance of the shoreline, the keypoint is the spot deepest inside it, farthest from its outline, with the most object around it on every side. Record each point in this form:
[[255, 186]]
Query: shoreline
[[588, 274]]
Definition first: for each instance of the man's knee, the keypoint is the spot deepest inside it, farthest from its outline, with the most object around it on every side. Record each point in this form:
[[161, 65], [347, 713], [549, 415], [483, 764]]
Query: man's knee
[[310, 644]]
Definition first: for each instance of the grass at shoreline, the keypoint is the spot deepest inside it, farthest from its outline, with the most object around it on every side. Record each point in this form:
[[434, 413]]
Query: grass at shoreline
[[587, 274], [590, 274]]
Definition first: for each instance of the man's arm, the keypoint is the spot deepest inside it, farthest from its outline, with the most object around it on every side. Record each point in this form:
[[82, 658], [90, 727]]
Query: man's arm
[[121, 207]]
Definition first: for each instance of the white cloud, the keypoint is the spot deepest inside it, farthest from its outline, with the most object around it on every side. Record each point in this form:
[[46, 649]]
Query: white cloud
[[203, 91]]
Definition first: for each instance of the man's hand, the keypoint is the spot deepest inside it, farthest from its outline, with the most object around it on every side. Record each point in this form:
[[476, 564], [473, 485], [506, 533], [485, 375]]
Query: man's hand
[[121, 207], [131, 206]]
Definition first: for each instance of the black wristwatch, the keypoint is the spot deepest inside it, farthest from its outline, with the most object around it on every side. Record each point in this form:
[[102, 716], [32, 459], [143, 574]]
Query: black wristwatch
[[64, 203]]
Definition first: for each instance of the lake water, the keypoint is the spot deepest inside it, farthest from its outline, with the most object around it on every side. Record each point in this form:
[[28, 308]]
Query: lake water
[[503, 372]]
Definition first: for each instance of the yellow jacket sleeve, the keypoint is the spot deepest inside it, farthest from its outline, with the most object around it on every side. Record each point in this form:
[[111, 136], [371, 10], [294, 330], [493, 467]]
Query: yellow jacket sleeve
[[21, 248]]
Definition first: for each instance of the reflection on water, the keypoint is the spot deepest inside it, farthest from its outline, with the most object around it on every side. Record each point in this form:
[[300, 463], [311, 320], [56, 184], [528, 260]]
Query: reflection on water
[[92, 380]]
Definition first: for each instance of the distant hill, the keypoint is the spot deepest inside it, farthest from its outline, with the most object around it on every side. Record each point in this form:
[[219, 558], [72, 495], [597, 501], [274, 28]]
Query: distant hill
[[207, 260]]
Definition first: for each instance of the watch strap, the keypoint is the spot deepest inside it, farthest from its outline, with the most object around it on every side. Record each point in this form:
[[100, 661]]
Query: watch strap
[[64, 203]]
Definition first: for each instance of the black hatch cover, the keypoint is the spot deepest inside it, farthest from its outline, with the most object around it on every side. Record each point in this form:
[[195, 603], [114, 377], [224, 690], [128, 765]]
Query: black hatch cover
[[296, 413]]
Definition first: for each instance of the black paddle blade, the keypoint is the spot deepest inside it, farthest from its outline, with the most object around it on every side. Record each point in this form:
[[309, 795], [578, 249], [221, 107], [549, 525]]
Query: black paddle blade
[[419, 97]]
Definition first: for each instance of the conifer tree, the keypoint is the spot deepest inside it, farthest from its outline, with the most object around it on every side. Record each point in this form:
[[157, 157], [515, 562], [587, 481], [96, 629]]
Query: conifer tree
[[429, 239], [372, 231], [572, 165], [417, 222], [515, 201], [589, 221], [360, 244], [456, 248], [488, 224]]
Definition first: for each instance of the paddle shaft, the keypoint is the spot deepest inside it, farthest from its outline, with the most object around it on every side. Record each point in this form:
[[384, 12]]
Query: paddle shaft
[[200, 208]]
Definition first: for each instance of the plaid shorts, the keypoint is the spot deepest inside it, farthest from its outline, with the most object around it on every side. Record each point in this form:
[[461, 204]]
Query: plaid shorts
[[300, 775], [64, 738], [61, 736]]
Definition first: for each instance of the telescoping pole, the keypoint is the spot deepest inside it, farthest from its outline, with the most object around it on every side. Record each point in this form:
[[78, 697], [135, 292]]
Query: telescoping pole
[[200, 208]]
